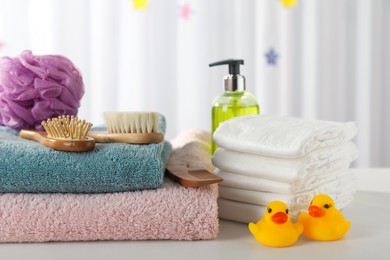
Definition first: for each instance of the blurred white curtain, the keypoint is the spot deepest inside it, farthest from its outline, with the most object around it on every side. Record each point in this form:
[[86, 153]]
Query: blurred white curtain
[[330, 60]]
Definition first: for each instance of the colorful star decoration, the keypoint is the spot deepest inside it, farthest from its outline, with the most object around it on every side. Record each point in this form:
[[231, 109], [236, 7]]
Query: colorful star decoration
[[271, 57], [289, 3], [185, 11], [140, 4]]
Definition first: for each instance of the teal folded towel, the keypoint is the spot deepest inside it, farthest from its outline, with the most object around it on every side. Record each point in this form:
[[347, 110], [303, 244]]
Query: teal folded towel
[[27, 166]]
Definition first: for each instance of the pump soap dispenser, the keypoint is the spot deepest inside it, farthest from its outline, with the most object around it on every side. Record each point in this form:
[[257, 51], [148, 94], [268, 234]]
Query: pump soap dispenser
[[235, 101]]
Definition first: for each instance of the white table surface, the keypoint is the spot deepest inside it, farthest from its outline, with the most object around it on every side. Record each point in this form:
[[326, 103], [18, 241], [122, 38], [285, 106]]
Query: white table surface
[[368, 238]]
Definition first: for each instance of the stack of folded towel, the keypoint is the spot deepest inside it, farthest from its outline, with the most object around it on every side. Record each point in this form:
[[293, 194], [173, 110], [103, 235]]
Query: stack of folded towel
[[27, 166], [264, 158], [115, 192]]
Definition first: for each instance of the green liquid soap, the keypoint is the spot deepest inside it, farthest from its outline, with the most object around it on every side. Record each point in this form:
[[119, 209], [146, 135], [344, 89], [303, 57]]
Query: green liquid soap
[[235, 101], [229, 105]]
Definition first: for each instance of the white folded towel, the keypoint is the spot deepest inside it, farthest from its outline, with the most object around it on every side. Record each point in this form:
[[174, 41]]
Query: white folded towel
[[335, 189], [245, 212], [317, 162], [278, 136], [239, 181]]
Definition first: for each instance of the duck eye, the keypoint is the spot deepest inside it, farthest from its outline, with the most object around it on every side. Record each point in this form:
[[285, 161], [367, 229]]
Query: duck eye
[[326, 206], [286, 211], [269, 210]]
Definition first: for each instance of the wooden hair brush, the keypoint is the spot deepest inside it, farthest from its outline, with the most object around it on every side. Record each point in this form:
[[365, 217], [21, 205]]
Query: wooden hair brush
[[64, 133]]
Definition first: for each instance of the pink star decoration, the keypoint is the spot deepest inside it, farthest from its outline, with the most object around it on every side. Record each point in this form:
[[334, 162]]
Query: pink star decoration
[[185, 11], [1, 45]]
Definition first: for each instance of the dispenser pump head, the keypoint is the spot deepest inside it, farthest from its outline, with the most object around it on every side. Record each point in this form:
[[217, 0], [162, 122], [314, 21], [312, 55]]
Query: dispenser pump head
[[233, 81]]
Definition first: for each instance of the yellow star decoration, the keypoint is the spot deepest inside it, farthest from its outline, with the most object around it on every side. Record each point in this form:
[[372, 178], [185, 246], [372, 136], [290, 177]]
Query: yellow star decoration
[[289, 3], [140, 4]]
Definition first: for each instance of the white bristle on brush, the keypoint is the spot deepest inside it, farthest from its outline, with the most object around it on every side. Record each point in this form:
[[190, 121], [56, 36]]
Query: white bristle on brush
[[131, 122], [130, 127]]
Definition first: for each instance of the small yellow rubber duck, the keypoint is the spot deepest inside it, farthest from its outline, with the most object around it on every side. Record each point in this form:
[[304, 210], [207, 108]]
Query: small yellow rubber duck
[[275, 228], [324, 221]]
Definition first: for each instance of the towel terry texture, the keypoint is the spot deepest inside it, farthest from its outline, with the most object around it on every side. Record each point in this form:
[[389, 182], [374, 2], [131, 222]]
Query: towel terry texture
[[170, 212], [27, 166], [192, 147], [286, 137]]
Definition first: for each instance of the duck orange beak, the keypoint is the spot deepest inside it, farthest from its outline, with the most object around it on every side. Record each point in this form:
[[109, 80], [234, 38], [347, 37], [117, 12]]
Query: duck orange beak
[[279, 218], [316, 212]]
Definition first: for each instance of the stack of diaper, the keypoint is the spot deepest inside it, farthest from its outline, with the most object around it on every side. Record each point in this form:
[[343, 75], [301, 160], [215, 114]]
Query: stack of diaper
[[264, 158], [115, 192]]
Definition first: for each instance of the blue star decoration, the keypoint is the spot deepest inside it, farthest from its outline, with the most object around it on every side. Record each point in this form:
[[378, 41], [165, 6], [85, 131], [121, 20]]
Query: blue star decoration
[[271, 56]]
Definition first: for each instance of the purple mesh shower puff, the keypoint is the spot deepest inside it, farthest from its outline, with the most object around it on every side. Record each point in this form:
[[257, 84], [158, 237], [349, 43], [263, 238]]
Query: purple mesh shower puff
[[35, 88]]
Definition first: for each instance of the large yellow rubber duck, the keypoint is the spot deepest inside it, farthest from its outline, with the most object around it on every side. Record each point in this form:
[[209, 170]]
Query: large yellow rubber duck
[[324, 221], [275, 228]]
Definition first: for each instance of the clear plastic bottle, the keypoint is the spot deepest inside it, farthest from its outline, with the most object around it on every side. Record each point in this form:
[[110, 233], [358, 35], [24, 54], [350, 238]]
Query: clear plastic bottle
[[235, 101]]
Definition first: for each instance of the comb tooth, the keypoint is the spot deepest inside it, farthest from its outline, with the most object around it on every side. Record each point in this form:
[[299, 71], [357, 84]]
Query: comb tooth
[[77, 128], [55, 133], [82, 129], [47, 125], [66, 127], [72, 127], [59, 130], [43, 123], [61, 127], [87, 127]]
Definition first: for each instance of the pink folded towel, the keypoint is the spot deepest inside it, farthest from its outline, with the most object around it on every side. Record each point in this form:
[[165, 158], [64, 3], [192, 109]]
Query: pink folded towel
[[171, 212]]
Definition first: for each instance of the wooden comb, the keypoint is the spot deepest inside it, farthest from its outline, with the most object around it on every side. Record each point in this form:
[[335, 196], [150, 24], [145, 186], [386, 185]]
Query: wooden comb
[[191, 178]]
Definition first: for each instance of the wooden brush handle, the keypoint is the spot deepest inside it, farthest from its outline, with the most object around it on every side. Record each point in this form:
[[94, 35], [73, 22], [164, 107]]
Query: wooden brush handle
[[141, 138], [32, 135], [59, 144]]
